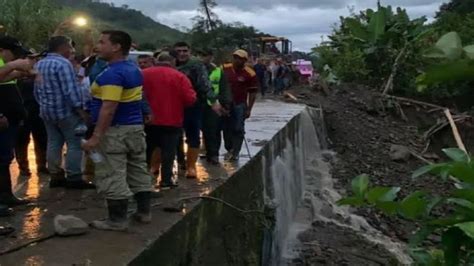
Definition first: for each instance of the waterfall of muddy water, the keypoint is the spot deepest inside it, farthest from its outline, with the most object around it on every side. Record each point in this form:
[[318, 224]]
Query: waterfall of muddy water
[[300, 188]]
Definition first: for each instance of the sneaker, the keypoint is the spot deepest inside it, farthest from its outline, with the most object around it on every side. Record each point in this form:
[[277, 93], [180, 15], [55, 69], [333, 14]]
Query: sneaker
[[142, 218], [6, 230], [79, 185], [168, 186], [11, 201], [5, 211], [233, 158], [43, 171], [213, 160], [57, 183]]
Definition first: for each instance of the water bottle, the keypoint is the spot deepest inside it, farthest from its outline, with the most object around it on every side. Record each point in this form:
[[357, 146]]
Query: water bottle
[[95, 156]]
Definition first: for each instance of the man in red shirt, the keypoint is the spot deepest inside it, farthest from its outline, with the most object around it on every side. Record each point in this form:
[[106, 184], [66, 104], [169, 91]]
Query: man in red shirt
[[244, 85], [168, 92]]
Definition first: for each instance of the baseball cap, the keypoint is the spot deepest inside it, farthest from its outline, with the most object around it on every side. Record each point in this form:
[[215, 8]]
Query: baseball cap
[[12, 44], [241, 53]]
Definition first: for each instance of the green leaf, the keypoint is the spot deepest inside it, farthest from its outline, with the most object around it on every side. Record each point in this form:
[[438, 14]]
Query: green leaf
[[351, 201], [414, 205], [467, 228], [360, 185], [434, 52], [382, 194], [377, 25], [469, 50], [451, 242], [462, 203], [462, 171], [451, 45], [461, 70], [431, 168], [456, 154], [421, 235], [467, 194], [387, 207]]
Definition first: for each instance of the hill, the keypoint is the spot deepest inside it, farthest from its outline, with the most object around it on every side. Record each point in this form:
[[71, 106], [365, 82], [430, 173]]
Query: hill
[[148, 33]]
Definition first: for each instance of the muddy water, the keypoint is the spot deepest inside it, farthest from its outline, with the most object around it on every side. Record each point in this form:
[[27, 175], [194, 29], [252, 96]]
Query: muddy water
[[306, 211]]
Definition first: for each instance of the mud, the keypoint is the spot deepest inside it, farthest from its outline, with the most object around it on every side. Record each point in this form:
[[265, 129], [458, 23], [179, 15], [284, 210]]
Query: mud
[[361, 130]]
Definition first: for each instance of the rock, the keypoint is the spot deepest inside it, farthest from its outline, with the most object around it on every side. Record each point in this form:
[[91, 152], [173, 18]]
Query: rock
[[399, 153], [69, 225]]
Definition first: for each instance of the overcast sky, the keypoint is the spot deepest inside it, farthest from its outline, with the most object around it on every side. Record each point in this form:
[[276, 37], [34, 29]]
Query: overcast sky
[[305, 22]]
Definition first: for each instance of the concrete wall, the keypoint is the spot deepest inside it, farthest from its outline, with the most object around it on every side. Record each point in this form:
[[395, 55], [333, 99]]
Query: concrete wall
[[215, 234]]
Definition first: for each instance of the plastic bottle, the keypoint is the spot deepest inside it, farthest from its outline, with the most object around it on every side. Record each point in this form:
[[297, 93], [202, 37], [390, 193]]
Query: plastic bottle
[[95, 156]]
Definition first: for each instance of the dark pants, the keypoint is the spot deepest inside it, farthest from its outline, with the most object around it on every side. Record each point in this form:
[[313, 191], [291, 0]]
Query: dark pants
[[34, 127], [211, 129], [234, 129], [180, 149], [263, 84], [192, 126], [165, 138], [7, 146]]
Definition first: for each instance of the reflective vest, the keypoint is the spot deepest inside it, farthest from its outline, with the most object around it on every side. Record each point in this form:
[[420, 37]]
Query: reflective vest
[[2, 64], [215, 78]]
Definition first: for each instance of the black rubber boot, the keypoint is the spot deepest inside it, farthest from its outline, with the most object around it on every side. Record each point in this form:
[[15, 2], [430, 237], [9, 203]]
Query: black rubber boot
[[143, 213], [117, 220], [6, 194]]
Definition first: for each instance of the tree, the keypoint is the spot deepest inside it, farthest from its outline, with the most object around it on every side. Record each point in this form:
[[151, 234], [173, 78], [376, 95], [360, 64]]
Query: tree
[[206, 7], [460, 7], [31, 21]]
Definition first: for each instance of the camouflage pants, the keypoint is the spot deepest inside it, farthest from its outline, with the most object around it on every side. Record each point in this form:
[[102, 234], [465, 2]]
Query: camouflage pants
[[123, 171]]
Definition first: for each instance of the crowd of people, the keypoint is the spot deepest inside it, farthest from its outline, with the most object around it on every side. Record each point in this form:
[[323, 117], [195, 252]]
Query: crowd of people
[[121, 122]]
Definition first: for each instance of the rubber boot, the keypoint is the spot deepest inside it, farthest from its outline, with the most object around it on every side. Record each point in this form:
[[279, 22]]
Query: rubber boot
[[191, 160], [143, 214], [117, 220], [6, 194]]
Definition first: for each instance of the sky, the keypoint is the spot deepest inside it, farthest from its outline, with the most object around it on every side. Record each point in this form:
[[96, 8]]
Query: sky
[[305, 22]]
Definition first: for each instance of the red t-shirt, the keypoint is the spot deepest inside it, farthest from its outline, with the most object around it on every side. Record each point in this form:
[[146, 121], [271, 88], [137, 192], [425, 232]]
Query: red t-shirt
[[168, 93], [242, 82]]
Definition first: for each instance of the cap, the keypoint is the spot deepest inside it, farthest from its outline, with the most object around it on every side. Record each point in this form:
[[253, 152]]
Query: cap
[[241, 53], [12, 44]]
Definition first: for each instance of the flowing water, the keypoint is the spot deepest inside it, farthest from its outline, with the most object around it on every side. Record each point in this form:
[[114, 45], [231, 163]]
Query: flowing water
[[300, 189]]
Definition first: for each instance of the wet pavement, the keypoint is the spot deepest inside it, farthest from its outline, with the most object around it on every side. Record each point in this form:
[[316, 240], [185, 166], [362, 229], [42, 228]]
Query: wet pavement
[[35, 243]]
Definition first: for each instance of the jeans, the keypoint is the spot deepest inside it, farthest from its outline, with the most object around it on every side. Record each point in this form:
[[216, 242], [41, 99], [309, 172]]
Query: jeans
[[279, 85], [234, 129], [262, 80], [7, 145], [165, 138], [59, 133], [192, 126]]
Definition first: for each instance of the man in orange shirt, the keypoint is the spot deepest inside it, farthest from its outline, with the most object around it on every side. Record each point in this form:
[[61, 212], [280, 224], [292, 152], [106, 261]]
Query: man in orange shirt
[[244, 85]]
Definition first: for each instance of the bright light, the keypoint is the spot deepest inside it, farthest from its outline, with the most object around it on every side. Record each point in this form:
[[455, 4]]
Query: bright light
[[80, 21]]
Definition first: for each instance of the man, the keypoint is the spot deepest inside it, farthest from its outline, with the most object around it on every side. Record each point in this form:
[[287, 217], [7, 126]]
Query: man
[[116, 110], [61, 107], [145, 61], [12, 114], [197, 73], [244, 86], [261, 71], [33, 127], [168, 92], [212, 123]]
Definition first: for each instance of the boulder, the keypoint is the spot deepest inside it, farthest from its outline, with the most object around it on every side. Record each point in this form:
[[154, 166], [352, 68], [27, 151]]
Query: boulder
[[399, 153], [69, 225]]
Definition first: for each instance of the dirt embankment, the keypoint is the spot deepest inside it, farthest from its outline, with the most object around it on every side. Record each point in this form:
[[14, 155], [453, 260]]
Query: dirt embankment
[[362, 130]]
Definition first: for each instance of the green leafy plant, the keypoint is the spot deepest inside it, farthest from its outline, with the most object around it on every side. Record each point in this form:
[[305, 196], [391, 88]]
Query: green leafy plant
[[454, 62], [456, 226]]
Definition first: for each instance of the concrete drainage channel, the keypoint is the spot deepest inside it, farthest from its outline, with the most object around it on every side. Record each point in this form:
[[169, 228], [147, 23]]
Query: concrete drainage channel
[[282, 192]]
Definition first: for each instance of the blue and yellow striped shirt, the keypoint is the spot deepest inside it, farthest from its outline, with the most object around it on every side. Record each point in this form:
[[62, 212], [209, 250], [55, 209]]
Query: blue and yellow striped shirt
[[121, 82]]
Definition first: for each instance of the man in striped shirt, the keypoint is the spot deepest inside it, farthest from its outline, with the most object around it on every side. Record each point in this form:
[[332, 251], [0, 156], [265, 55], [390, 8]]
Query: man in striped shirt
[[61, 107]]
